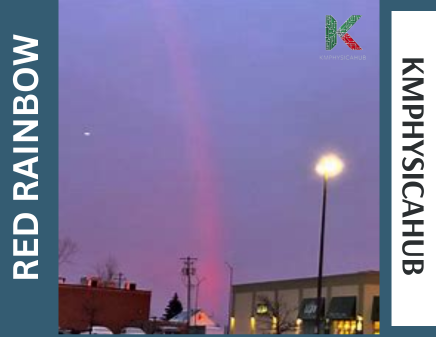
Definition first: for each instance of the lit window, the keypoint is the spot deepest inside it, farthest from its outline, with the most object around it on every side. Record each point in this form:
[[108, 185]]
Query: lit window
[[253, 325], [261, 309], [376, 327], [232, 325]]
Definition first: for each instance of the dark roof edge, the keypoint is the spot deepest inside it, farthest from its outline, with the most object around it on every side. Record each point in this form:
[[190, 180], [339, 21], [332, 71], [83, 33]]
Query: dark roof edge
[[80, 286], [369, 277]]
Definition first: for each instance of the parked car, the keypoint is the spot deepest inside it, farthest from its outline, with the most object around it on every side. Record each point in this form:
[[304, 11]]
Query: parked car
[[132, 331], [69, 332], [97, 330], [168, 330]]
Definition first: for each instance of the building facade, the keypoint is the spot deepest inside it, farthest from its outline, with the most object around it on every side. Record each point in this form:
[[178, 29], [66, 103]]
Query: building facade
[[350, 305], [85, 305]]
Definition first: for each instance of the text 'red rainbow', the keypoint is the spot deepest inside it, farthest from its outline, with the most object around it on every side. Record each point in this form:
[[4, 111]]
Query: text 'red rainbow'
[[25, 103]]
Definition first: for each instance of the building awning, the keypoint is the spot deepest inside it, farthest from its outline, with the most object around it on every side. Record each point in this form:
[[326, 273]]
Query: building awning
[[308, 307], [375, 314], [342, 308]]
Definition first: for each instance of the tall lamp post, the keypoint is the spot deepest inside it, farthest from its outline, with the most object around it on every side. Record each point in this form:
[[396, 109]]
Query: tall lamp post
[[328, 166], [229, 318]]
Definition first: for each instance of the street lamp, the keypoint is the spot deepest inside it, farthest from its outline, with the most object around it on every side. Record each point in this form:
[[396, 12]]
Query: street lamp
[[328, 166]]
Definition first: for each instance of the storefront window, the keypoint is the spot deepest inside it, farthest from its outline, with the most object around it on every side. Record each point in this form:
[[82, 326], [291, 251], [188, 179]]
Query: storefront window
[[342, 315], [307, 315], [376, 328], [375, 316], [343, 327]]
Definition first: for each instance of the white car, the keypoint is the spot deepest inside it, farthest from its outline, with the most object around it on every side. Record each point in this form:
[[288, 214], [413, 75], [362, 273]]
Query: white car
[[97, 330], [132, 331]]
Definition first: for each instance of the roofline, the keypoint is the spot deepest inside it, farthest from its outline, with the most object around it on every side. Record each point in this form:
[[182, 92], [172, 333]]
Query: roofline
[[81, 286], [366, 277]]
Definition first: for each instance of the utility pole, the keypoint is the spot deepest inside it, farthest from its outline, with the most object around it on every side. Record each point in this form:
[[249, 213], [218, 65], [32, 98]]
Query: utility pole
[[188, 271], [120, 278]]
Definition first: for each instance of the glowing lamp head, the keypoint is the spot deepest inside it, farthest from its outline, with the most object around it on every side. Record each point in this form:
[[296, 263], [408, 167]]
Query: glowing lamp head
[[329, 166]]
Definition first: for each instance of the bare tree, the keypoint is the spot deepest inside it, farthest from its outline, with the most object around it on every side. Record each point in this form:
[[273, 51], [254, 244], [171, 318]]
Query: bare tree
[[66, 250], [275, 316], [90, 310], [108, 270]]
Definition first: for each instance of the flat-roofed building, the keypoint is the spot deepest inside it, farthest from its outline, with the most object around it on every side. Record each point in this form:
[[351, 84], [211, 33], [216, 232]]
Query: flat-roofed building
[[93, 303], [350, 304]]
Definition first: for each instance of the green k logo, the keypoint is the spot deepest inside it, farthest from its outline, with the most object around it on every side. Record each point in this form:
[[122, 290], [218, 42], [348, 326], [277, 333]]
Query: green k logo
[[331, 32]]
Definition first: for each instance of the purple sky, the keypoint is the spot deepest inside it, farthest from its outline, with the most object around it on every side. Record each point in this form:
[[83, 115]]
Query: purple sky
[[206, 121]]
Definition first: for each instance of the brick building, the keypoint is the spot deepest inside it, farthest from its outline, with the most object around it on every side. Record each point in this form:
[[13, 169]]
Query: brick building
[[81, 306]]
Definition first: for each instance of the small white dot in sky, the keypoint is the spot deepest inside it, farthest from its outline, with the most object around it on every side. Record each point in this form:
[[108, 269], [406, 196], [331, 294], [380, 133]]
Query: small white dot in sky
[[87, 133]]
